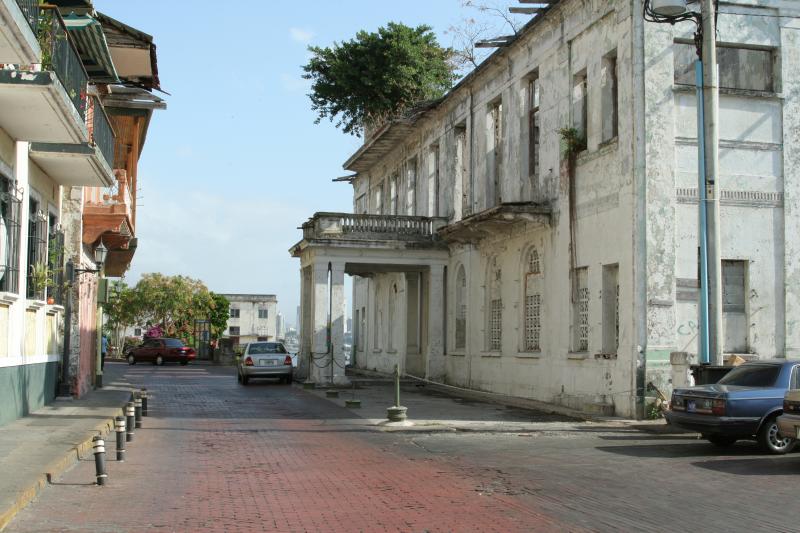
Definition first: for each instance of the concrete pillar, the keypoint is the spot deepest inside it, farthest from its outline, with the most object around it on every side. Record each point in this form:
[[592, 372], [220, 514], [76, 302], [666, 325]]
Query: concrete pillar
[[435, 349], [306, 327], [327, 361], [338, 320]]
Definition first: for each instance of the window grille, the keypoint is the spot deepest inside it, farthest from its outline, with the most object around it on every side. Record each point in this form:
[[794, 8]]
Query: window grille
[[55, 262], [461, 309], [534, 266], [533, 322], [581, 311], [37, 249], [10, 225], [496, 325]]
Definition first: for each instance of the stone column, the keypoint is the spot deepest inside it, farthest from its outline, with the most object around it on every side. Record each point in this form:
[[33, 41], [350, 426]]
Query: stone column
[[338, 320], [318, 316], [305, 325], [435, 370]]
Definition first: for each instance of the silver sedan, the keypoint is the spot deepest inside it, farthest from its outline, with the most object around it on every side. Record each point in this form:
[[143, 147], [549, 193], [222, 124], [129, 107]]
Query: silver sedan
[[265, 360]]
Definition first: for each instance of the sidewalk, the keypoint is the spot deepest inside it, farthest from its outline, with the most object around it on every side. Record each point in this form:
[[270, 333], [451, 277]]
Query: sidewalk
[[435, 407], [44, 444]]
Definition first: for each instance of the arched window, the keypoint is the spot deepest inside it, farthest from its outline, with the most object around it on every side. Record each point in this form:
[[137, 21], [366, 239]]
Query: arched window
[[461, 308], [494, 305], [532, 301]]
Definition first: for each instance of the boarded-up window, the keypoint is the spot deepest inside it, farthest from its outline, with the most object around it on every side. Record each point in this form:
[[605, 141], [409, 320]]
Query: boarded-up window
[[433, 181], [533, 125], [411, 187], [393, 195], [361, 204], [610, 308], [609, 96], [734, 308], [739, 68], [495, 159], [580, 110], [462, 170]]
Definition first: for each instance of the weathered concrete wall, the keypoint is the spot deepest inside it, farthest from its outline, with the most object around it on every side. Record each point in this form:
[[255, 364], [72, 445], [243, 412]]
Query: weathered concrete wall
[[25, 388]]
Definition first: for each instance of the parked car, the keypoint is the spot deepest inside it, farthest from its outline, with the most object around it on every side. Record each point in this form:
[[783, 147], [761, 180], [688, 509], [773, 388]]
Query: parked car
[[744, 404], [264, 360], [789, 421], [161, 350]]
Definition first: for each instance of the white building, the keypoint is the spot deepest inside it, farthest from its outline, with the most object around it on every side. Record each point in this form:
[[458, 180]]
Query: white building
[[484, 258], [252, 317]]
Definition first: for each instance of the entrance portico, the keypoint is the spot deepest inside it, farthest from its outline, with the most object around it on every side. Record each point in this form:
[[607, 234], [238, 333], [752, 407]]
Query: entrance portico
[[368, 246]]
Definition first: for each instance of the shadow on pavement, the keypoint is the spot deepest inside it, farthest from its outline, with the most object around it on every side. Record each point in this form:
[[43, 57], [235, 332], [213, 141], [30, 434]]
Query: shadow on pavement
[[766, 466], [667, 450]]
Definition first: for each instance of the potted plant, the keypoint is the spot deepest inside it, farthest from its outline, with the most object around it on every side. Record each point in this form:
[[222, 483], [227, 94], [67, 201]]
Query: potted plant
[[40, 277]]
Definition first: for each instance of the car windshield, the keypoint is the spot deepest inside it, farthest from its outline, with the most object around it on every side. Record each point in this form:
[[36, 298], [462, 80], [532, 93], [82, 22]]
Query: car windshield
[[752, 376], [266, 347], [173, 343]]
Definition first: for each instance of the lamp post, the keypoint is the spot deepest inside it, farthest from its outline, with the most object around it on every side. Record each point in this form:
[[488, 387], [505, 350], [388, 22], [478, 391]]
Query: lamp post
[[710, 271], [70, 272]]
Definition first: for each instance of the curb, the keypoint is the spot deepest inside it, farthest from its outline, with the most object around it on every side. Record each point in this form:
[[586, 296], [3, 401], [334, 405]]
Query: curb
[[53, 470]]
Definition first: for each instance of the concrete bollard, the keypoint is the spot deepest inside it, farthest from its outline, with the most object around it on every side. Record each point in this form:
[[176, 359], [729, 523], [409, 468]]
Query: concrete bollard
[[137, 412], [130, 413], [143, 396], [99, 450], [119, 428]]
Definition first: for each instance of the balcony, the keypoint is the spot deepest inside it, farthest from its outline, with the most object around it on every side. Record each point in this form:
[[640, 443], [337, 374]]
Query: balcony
[[107, 215], [497, 220], [52, 88], [375, 229], [19, 20], [85, 164]]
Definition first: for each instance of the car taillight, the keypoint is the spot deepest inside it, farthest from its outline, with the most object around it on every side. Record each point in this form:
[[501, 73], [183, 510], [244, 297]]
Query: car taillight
[[248, 361], [288, 360], [677, 403], [718, 408]]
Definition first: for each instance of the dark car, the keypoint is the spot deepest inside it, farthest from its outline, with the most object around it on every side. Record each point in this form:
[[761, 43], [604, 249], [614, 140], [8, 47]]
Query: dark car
[[744, 404], [160, 351]]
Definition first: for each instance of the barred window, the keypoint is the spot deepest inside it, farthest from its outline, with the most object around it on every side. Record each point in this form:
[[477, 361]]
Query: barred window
[[461, 308], [533, 322], [55, 262], [532, 301], [10, 220], [496, 325], [37, 271]]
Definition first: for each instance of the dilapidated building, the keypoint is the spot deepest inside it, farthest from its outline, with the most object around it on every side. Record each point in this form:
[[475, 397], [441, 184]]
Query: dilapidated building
[[490, 253]]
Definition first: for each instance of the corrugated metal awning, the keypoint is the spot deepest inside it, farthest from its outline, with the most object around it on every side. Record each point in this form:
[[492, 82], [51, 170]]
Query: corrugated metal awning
[[87, 34]]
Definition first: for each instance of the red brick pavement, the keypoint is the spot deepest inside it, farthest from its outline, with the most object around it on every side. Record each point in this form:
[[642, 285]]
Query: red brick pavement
[[215, 456]]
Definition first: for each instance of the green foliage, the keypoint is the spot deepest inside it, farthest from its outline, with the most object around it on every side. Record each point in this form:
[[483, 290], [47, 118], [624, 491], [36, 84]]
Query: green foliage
[[174, 302], [377, 75], [573, 141]]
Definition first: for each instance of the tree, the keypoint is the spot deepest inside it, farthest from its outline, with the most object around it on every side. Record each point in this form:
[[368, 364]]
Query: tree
[[377, 75], [173, 302]]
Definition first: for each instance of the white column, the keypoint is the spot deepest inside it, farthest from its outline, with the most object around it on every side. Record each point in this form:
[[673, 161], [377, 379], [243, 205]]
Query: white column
[[318, 318], [435, 348], [305, 326], [338, 319]]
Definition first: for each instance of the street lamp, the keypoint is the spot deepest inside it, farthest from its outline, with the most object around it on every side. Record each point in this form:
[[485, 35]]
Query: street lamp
[[100, 254], [672, 12]]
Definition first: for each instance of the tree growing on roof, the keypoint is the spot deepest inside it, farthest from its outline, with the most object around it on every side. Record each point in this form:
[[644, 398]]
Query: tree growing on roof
[[377, 75]]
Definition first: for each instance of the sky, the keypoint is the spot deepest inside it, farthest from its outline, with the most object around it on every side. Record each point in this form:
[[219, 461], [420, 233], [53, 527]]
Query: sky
[[236, 164]]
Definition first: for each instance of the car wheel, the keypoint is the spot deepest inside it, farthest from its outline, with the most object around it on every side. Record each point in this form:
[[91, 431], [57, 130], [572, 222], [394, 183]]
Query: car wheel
[[770, 440], [159, 360], [131, 360], [721, 440]]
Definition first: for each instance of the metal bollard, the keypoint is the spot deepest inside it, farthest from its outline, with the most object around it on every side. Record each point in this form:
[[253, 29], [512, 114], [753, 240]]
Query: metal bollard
[[137, 412], [130, 413], [143, 396], [99, 450], [119, 427]]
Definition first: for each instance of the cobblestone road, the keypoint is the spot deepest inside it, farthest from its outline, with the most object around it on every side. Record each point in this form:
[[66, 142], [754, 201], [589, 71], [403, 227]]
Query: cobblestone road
[[216, 456]]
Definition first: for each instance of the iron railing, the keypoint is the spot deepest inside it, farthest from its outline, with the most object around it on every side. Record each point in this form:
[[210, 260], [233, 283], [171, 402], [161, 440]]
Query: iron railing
[[55, 263], [38, 271], [30, 9], [102, 132], [60, 55], [10, 225], [382, 227]]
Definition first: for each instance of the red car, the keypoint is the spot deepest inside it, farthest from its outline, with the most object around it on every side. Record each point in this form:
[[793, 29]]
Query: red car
[[160, 351]]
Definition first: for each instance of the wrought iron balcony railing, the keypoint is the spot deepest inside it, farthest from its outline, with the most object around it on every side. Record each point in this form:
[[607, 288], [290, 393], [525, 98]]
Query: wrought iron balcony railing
[[30, 9], [372, 227], [102, 134], [60, 55]]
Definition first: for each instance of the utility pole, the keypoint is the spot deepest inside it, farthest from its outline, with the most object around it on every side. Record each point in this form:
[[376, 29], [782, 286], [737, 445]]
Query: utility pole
[[711, 111]]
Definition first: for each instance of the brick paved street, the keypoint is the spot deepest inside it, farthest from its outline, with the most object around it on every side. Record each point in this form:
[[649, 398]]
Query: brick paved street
[[216, 456]]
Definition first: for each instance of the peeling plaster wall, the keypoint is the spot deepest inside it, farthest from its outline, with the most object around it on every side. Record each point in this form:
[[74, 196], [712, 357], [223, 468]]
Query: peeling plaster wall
[[759, 156]]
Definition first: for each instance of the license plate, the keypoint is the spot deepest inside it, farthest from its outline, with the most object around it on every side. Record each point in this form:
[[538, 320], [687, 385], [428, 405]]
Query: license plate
[[691, 406], [266, 362]]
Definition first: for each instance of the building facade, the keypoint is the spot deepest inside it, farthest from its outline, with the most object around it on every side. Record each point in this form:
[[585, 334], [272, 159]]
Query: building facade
[[253, 317], [58, 149], [534, 232]]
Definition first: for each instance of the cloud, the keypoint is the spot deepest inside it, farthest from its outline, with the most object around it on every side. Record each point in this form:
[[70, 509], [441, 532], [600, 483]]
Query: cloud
[[294, 84], [301, 35]]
